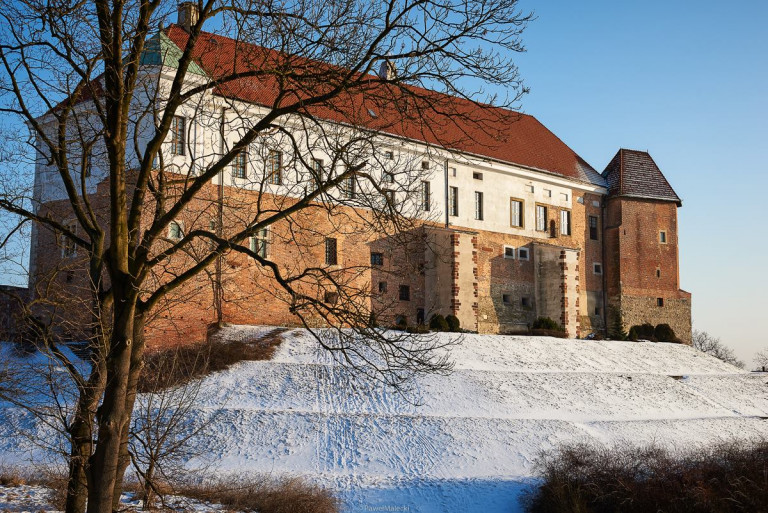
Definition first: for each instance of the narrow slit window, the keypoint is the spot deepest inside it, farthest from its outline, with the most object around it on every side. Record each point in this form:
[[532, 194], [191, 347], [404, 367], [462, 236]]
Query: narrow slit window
[[178, 135], [453, 201], [478, 206], [331, 255], [426, 196]]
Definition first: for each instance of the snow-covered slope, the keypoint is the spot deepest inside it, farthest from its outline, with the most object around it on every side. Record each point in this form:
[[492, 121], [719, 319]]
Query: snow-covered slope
[[466, 441], [470, 440]]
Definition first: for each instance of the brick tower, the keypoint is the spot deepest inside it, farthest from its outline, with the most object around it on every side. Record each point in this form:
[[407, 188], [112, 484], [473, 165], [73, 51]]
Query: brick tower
[[640, 244]]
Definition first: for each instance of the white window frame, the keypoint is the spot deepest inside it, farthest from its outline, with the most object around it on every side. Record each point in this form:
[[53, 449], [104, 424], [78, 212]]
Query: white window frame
[[259, 243], [426, 196], [275, 173], [453, 201], [541, 221], [509, 257], [527, 254], [479, 215], [520, 213], [565, 222]]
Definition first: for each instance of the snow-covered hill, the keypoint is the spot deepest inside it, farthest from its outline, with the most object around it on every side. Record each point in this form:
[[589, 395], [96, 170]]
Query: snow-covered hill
[[466, 441], [470, 443]]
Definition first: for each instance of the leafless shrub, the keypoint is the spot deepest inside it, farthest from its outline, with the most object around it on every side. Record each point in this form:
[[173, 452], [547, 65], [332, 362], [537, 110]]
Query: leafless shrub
[[721, 478], [712, 345], [265, 495], [167, 368]]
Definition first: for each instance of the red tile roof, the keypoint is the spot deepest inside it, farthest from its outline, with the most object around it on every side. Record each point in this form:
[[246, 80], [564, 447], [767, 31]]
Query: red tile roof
[[447, 121]]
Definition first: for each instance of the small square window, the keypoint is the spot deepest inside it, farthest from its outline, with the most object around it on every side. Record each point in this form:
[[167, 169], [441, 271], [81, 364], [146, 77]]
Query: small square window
[[547, 193], [597, 268], [404, 293], [563, 196], [477, 176], [523, 254], [453, 171], [331, 298], [663, 237], [377, 258], [382, 286], [506, 299], [659, 301], [389, 155], [509, 252], [529, 188], [425, 164], [525, 302]]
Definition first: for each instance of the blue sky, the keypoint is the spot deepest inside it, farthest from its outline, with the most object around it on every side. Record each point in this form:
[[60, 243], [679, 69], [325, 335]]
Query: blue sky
[[689, 83]]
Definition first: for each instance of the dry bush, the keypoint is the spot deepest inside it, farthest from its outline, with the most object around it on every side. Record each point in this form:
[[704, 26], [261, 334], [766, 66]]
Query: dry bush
[[167, 368], [724, 478], [265, 495]]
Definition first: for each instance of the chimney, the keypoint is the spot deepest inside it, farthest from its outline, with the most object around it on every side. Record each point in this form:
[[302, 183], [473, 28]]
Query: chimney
[[387, 70], [188, 15]]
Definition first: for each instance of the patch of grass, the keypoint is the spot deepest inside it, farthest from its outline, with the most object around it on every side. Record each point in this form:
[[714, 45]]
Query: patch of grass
[[265, 495], [723, 478], [167, 368]]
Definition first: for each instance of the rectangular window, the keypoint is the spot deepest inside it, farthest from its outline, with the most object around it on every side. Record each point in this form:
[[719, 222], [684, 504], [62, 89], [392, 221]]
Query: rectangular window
[[174, 230], [349, 187], [452, 171], [660, 301], [425, 165], [426, 197], [178, 135], [317, 171], [506, 299], [68, 246], [389, 196], [523, 254], [389, 155], [548, 193], [331, 257], [275, 167], [477, 176], [453, 201], [404, 293], [516, 213], [541, 218], [593, 227], [382, 287], [389, 177], [597, 268], [259, 243], [525, 302], [239, 164], [478, 206], [565, 222], [663, 237], [377, 258], [509, 252]]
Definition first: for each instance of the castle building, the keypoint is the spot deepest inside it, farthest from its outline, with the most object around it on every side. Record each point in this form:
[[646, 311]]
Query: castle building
[[514, 224]]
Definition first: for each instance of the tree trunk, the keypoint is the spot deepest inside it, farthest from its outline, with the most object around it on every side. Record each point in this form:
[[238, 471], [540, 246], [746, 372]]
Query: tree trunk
[[137, 364], [81, 433], [102, 474]]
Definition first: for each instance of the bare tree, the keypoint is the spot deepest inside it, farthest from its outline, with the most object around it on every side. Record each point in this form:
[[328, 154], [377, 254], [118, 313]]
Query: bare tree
[[711, 345], [761, 360], [307, 88]]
